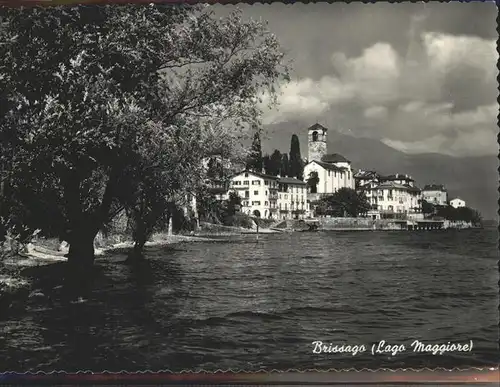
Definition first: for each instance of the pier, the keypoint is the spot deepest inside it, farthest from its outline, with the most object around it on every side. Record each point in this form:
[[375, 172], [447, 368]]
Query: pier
[[420, 225]]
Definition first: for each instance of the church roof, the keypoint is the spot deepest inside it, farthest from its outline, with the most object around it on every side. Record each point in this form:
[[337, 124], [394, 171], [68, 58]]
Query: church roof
[[317, 126], [331, 167], [334, 158]]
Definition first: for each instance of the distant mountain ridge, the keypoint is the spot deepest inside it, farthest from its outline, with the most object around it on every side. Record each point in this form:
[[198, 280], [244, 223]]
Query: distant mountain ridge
[[473, 179]]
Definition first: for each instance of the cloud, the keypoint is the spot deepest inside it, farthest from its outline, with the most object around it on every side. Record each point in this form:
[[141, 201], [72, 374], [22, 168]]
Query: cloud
[[438, 97], [376, 112], [447, 53]]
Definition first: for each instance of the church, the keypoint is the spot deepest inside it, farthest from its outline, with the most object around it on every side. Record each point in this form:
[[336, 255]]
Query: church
[[333, 171]]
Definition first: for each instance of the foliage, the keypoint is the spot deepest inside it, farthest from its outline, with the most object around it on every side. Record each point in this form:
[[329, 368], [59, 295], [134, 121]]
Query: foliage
[[296, 165], [313, 181], [285, 165], [233, 203], [427, 208], [273, 163], [276, 163], [344, 202], [107, 107], [464, 214], [255, 161], [215, 169]]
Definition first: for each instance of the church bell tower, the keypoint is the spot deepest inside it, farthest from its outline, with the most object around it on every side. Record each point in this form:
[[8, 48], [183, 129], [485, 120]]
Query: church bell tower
[[316, 141]]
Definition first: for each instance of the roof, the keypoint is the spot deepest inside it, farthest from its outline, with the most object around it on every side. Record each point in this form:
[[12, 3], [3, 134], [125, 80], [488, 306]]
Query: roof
[[366, 174], [457, 199], [290, 180], [398, 176], [329, 166], [317, 126], [434, 187], [258, 174], [217, 190], [392, 185], [334, 158]]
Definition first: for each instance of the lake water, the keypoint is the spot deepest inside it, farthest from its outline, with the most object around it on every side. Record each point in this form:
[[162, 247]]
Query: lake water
[[259, 304]]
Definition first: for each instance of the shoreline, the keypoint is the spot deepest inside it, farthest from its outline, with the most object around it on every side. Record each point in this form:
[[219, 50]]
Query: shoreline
[[14, 286]]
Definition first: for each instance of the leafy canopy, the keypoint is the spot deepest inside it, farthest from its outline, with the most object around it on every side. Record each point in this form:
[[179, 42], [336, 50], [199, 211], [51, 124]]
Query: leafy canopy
[[102, 104]]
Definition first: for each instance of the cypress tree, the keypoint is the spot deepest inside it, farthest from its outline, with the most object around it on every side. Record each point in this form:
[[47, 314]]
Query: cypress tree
[[285, 164], [296, 166], [254, 162], [266, 162], [276, 163]]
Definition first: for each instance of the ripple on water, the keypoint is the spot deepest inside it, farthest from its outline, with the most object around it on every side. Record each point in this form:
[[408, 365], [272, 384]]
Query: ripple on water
[[221, 305]]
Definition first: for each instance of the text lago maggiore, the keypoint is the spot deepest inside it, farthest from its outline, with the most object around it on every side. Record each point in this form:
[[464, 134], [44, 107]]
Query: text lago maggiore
[[384, 348]]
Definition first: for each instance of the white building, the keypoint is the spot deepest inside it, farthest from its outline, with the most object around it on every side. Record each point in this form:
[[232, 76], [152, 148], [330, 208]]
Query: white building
[[292, 200], [457, 202], [435, 194], [393, 200], [362, 178], [259, 193], [333, 170]]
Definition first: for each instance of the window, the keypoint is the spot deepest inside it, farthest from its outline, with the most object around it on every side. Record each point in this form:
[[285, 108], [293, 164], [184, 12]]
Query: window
[[335, 173], [329, 172], [266, 182], [246, 174], [255, 203], [245, 182], [265, 203], [267, 193], [256, 182], [255, 192], [315, 136], [247, 194]]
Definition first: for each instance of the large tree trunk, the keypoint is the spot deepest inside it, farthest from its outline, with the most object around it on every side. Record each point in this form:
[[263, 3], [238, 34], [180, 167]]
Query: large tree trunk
[[81, 258]]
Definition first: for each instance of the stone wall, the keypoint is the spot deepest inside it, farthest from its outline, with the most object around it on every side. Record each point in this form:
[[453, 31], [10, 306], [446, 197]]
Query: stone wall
[[357, 224]]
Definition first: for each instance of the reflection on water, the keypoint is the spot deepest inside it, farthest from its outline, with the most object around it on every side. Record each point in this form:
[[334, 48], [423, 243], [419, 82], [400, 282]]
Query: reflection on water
[[259, 304]]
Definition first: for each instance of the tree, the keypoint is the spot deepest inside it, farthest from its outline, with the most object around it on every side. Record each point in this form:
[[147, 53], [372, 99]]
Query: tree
[[346, 201], [464, 214], [255, 162], [296, 168], [233, 203], [84, 104], [312, 182], [215, 170], [275, 163], [267, 165], [427, 208], [285, 164]]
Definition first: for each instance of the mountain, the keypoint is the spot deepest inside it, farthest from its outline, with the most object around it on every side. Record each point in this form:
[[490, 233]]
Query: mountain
[[474, 179]]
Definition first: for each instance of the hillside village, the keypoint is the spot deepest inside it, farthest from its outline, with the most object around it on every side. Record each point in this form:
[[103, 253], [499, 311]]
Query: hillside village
[[324, 174]]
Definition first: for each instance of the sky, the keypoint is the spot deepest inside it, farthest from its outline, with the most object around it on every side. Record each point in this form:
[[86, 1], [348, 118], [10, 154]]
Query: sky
[[419, 77]]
